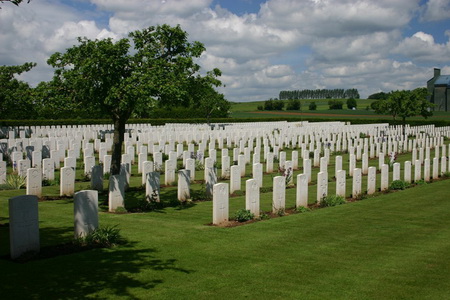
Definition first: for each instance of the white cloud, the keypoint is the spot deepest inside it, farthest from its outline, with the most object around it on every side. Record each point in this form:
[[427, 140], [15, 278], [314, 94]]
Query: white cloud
[[66, 35], [288, 44], [338, 18], [422, 47], [436, 10]]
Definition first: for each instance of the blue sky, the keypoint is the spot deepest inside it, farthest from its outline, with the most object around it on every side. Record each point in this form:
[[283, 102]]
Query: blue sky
[[261, 46]]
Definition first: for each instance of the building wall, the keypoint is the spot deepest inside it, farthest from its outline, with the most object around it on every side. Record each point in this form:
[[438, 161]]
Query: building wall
[[447, 93], [440, 98]]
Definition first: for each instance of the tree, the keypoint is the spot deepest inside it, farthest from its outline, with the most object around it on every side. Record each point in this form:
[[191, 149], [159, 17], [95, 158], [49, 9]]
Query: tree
[[112, 77], [269, 104], [380, 95], [293, 104], [405, 104], [335, 104], [15, 2], [278, 104], [15, 95], [205, 98], [351, 103]]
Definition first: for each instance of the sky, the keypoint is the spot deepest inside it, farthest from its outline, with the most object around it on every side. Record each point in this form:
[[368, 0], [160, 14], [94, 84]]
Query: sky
[[261, 46]]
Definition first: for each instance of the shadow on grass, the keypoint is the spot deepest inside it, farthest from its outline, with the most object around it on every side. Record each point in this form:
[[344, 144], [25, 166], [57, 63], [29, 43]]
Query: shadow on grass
[[104, 272], [135, 201]]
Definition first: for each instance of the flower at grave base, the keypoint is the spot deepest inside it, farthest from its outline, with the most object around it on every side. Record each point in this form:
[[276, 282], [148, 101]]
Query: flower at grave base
[[392, 158]]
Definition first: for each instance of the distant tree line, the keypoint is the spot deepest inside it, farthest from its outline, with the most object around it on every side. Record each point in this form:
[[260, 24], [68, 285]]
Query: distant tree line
[[319, 94], [379, 96]]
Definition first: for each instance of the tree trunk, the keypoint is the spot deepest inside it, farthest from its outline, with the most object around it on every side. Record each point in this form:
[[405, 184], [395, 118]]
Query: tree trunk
[[119, 131], [404, 125]]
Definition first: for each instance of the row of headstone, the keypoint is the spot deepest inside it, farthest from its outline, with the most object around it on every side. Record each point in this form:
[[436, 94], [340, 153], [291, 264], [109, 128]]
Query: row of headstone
[[221, 190]]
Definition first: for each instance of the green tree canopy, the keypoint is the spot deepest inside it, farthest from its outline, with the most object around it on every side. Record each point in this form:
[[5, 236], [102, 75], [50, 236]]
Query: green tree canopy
[[114, 77], [15, 95], [405, 104]]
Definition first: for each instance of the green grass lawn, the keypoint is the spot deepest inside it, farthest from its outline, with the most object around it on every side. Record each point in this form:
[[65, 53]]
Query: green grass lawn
[[392, 246]]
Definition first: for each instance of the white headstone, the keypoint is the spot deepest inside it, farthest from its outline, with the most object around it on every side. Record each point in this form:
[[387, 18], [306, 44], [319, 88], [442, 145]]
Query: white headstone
[[48, 169], [302, 190], [67, 181], [152, 187], [357, 182], [190, 165], [97, 178], [307, 168], [258, 173], [2, 172], [322, 186], [351, 164], [443, 165], [252, 196], [384, 177], [210, 176], [70, 162], [417, 170], [269, 163], [225, 166], [396, 171], [380, 160], [184, 183], [142, 157], [279, 194], [338, 164], [169, 174], [341, 183], [23, 166], [89, 162], [371, 180], [365, 163], [220, 203], [107, 164], [426, 169], [34, 182], [435, 167], [85, 212], [407, 174], [23, 225], [116, 197], [241, 164], [235, 179]]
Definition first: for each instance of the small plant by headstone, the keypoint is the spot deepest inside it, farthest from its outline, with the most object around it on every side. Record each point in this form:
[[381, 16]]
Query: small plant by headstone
[[121, 210], [108, 236], [264, 216], [243, 215], [54, 182], [420, 182], [281, 212], [332, 200], [15, 181], [399, 185], [302, 209], [199, 166], [446, 175]]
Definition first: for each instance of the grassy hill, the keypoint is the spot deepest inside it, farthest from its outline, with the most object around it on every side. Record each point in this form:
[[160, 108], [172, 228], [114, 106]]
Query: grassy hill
[[363, 111]]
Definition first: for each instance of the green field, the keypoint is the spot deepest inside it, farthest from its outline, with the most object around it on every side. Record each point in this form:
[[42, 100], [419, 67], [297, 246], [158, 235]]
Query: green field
[[391, 246], [250, 110]]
